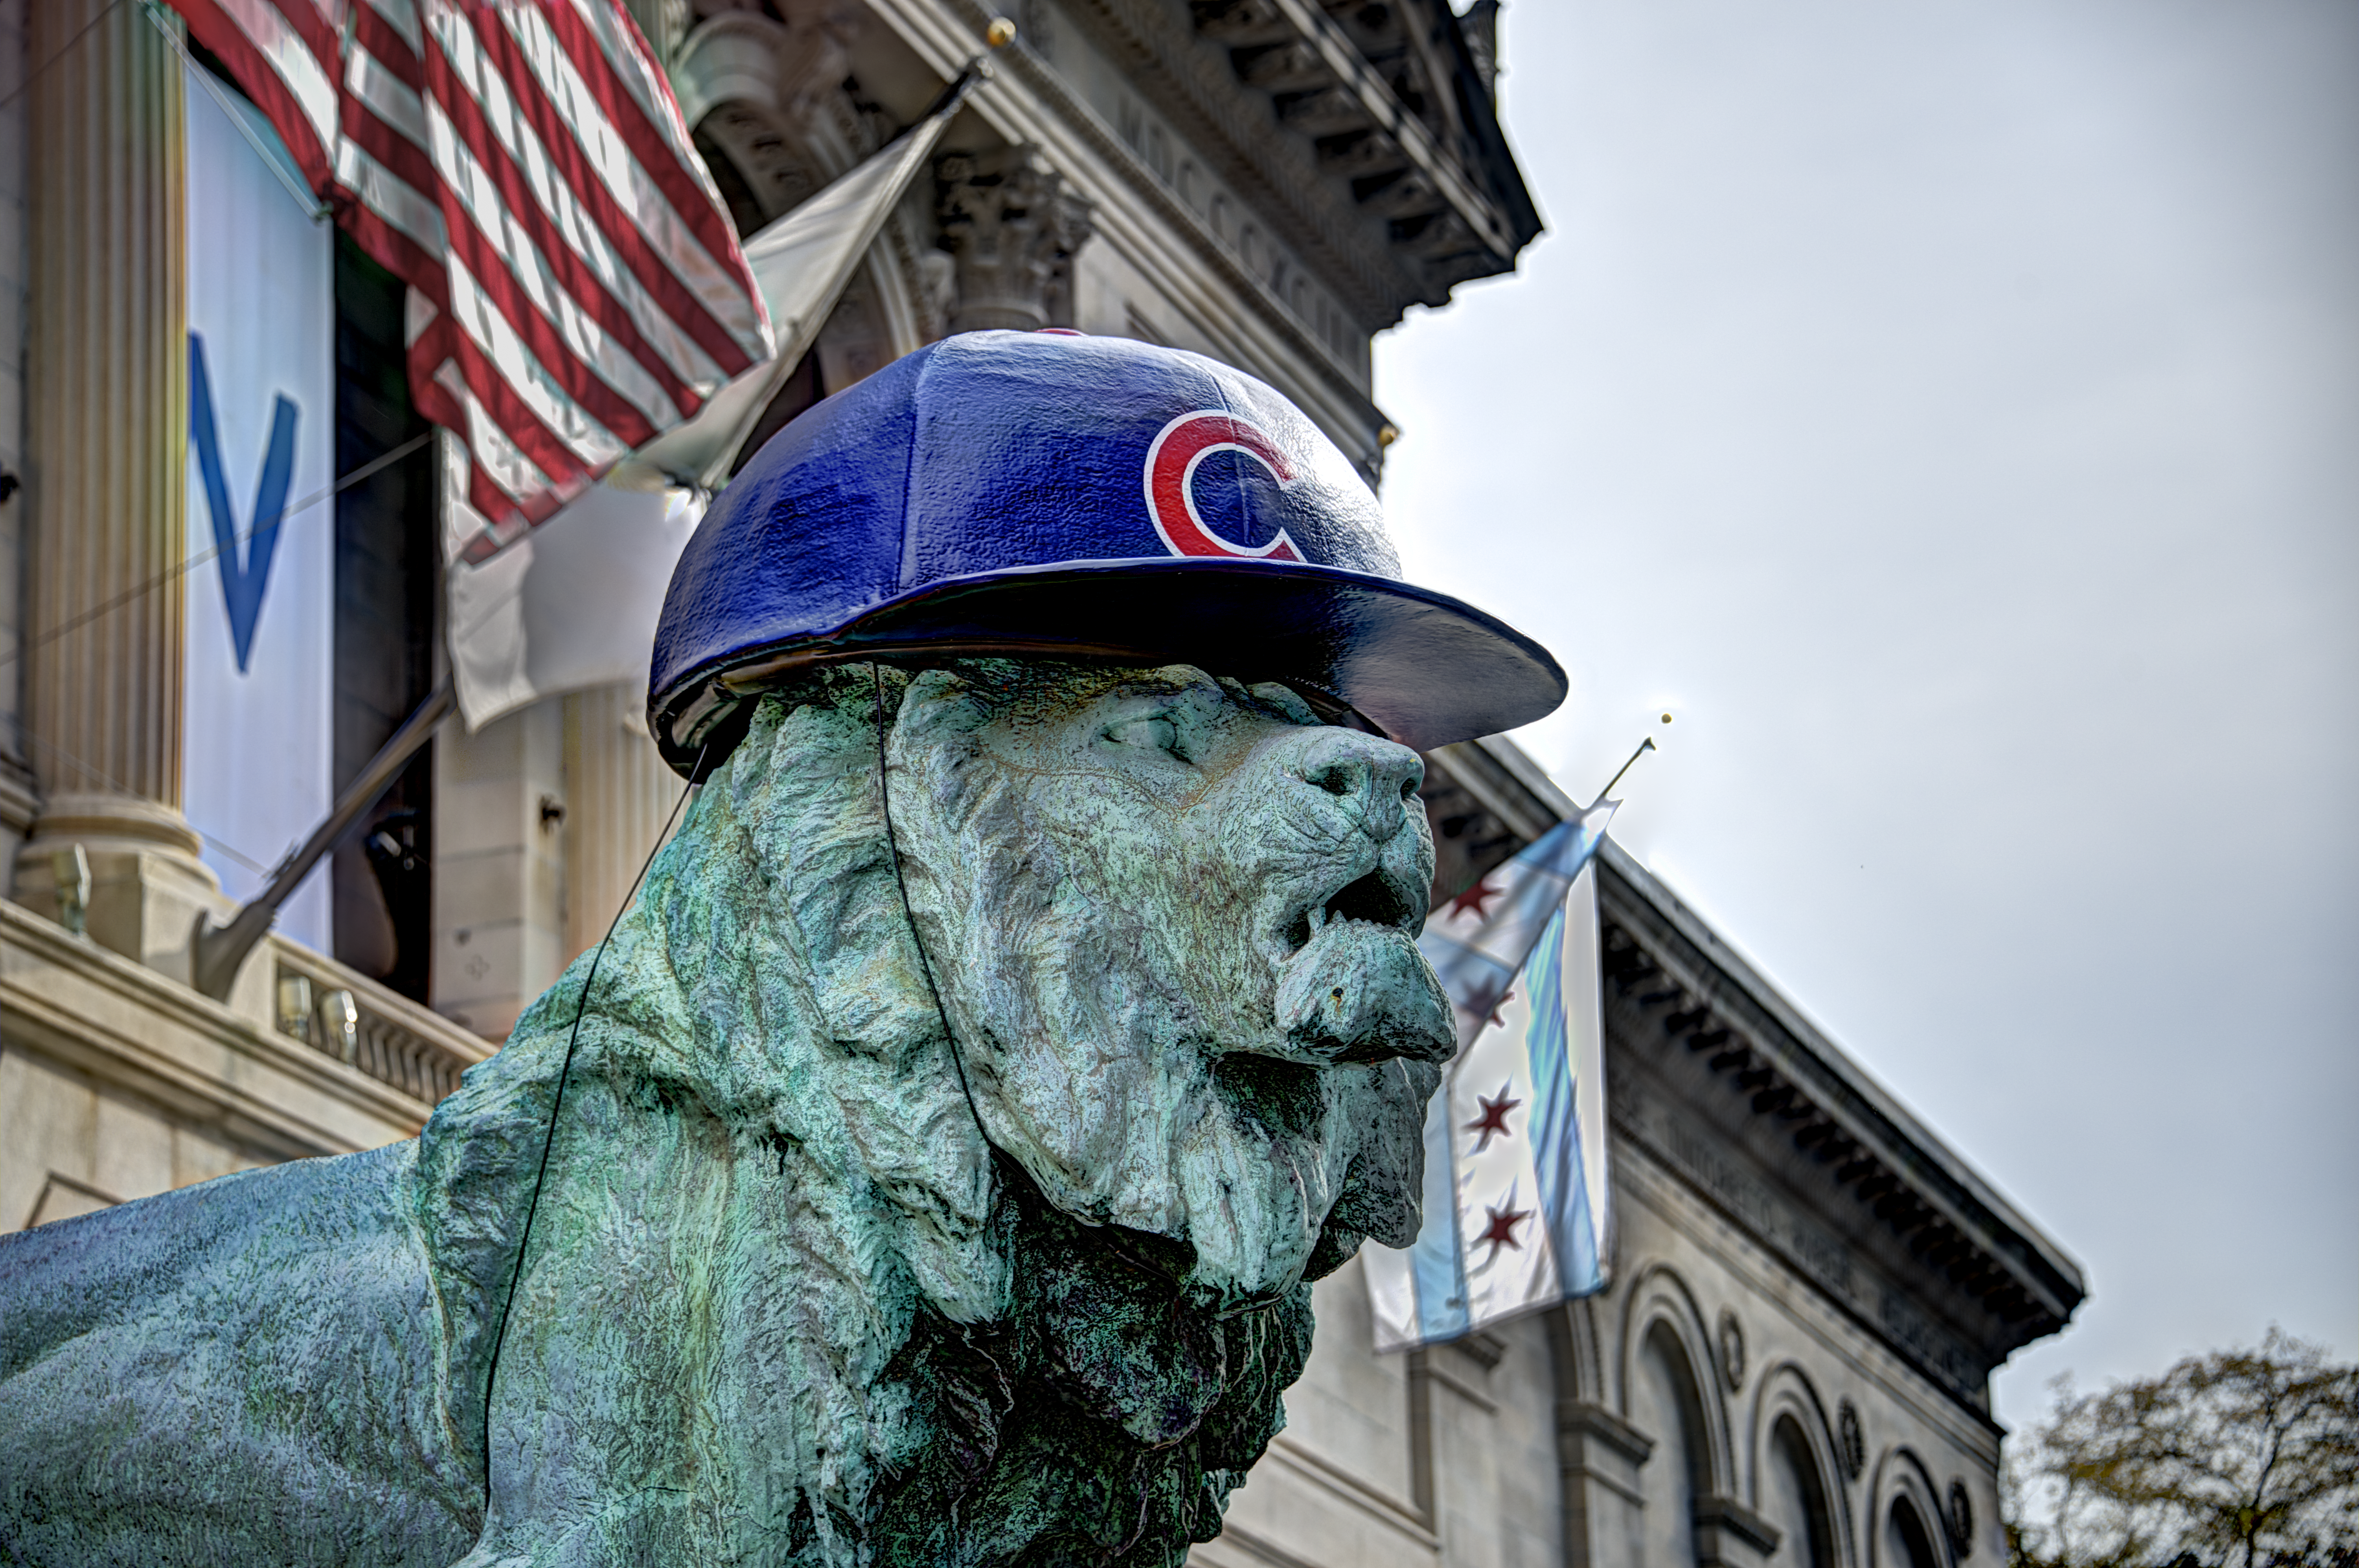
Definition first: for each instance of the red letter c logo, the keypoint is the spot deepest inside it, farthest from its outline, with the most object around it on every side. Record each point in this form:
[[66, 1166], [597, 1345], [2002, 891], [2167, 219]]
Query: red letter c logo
[[1171, 464]]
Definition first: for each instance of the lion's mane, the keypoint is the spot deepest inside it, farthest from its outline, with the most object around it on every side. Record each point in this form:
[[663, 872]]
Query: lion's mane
[[908, 1355]]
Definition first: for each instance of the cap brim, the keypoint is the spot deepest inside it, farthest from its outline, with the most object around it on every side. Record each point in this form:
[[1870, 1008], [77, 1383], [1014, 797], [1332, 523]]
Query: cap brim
[[1424, 667]]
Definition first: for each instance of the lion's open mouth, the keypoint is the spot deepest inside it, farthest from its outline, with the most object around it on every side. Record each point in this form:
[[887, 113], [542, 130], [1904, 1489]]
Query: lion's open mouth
[[1376, 898], [1351, 986]]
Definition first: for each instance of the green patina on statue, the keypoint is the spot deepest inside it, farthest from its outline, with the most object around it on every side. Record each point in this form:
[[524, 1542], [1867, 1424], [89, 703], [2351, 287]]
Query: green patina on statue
[[956, 1117], [961, 1215]]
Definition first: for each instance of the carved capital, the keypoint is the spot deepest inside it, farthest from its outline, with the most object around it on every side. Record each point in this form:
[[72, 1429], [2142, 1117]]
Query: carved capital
[[1012, 224]]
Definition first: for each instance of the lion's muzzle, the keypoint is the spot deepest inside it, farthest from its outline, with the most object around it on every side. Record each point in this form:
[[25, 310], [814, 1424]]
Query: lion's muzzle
[[1354, 986], [1359, 992]]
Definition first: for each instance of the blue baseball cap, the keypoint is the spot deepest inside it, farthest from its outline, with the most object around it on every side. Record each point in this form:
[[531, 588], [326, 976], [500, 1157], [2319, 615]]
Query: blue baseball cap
[[1081, 497]]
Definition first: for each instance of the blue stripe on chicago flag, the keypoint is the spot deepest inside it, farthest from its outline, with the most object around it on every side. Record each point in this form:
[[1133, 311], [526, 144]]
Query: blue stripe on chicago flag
[[1437, 1263], [1555, 1121]]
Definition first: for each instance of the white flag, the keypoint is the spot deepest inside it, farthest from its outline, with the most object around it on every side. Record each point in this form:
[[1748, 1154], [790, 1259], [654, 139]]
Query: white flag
[[569, 605], [1515, 1140]]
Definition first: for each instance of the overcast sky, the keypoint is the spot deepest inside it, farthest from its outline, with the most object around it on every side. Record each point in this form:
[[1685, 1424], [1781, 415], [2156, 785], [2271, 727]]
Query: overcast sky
[[1950, 411]]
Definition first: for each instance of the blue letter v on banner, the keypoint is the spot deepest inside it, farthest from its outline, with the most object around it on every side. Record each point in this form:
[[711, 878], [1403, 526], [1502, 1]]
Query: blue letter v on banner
[[244, 576]]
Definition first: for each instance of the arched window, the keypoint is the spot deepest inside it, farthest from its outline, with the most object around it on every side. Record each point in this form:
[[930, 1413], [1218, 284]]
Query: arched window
[[1906, 1542], [1794, 1496], [1665, 1405]]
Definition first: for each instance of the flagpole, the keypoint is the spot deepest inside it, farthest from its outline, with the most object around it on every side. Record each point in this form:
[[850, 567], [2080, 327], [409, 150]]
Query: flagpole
[[929, 126], [1643, 747], [220, 950]]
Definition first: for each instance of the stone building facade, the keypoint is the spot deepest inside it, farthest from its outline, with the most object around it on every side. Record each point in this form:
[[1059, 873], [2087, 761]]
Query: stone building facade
[[1270, 182], [1266, 180], [1810, 1291]]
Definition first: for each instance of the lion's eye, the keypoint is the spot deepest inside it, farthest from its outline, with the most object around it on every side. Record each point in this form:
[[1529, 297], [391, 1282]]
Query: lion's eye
[[1153, 731]]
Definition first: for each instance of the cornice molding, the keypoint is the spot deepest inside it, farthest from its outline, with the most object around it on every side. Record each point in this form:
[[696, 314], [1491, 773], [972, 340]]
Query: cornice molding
[[1275, 167], [1190, 80], [1727, 1514], [1830, 1118], [1390, 115], [1594, 1420]]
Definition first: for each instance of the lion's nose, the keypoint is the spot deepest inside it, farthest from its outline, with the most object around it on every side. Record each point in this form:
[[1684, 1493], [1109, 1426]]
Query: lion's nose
[[1377, 775]]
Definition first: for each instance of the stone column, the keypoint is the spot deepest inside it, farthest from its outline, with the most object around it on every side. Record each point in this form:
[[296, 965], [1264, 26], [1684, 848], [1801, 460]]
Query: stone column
[[500, 835], [1012, 225], [106, 486], [618, 795], [16, 798], [664, 23]]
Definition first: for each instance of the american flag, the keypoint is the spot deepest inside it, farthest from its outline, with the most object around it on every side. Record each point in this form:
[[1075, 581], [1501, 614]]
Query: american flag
[[576, 288]]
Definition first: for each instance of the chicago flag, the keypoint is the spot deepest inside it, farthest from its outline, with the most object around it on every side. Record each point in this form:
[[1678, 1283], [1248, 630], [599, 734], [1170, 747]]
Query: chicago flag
[[1515, 1140]]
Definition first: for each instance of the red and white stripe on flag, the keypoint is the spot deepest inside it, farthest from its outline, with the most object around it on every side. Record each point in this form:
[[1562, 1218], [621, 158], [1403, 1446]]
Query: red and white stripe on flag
[[576, 287]]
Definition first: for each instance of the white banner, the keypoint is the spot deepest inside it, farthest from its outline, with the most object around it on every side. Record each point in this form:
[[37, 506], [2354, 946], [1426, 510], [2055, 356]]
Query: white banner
[[258, 720]]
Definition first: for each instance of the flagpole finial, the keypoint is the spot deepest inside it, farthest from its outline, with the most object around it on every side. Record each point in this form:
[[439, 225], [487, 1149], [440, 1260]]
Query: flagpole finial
[[1645, 746], [1000, 33]]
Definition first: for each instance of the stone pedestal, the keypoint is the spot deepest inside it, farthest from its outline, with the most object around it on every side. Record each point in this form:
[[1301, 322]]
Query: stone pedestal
[[106, 484], [147, 886]]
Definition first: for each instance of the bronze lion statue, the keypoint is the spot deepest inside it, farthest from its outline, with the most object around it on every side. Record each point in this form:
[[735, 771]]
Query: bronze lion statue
[[953, 1123]]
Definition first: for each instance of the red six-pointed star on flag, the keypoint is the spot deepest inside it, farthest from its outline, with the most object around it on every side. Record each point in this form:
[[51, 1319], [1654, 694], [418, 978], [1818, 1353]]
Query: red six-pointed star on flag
[[1493, 1122], [1501, 1231]]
